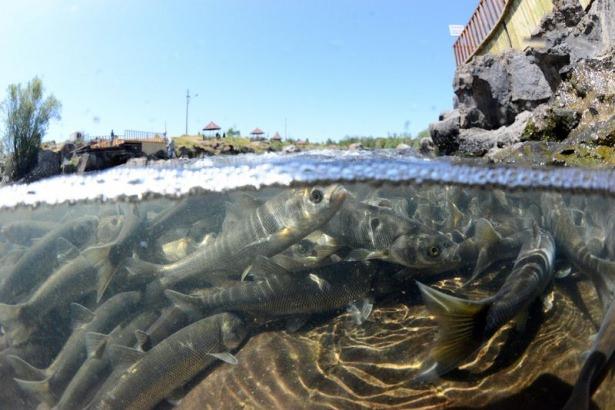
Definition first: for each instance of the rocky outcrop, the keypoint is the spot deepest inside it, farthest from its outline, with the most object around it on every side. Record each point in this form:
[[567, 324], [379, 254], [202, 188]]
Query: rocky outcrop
[[48, 164], [549, 93]]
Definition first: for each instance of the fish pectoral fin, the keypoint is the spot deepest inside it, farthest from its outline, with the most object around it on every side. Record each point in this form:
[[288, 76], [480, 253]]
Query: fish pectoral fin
[[95, 344], [144, 342], [225, 357], [264, 268], [187, 303], [40, 390], [121, 356], [460, 324], [366, 308], [25, 370], [80, 315]]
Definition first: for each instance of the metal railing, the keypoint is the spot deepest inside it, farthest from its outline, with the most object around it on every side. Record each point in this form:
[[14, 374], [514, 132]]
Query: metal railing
[[482, 22], [143, 135]]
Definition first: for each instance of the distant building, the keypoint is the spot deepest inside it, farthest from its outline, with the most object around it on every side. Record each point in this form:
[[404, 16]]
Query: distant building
[[257, 135], [212, 129], [276, 137], [77, 137]]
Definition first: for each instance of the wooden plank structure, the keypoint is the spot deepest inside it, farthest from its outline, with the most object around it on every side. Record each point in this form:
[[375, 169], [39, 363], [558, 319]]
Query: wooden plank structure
[[500, 25]]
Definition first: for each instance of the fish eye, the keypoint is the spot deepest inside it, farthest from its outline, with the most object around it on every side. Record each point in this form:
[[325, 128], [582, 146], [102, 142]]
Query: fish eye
[[316, 196], [434, 251]]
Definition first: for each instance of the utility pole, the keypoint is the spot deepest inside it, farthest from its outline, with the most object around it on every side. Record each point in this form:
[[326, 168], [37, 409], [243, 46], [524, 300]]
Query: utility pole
[[187, 103], [188, 96]]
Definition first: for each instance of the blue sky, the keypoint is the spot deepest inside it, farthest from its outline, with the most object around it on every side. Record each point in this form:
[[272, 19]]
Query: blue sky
[[331, 68]]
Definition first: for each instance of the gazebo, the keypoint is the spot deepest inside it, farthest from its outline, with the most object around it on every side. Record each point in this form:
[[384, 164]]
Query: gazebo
[[256, 134], [211, 129], [276, 137]]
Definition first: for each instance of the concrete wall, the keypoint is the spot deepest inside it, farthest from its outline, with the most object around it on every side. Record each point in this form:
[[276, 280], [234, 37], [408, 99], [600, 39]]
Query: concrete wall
[[152, 147]]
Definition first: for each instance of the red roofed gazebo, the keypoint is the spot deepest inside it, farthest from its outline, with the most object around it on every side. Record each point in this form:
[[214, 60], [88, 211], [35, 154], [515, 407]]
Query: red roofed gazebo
[[211, 129], [257, 134]]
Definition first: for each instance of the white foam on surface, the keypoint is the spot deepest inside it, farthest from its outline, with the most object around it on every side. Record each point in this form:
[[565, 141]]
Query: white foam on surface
[[179, 177]]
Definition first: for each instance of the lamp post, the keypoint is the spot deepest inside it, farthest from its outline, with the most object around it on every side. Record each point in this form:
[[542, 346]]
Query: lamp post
[[188, 96]]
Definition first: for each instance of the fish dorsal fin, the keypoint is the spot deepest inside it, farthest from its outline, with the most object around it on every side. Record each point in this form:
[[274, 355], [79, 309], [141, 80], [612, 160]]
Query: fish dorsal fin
[[38, 389], [144, 341], [95, 343], [123, 356], [25, 370], [486, 232], [455, 216], [106, 272], [285, 261], [487, 236], [359, 254], [237, 210], [225, 357], [80, 315], [263, 268], [246, 201], [459, 320], [187, 303]]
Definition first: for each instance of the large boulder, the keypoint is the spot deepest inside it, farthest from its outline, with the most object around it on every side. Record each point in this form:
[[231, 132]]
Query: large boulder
[[444, 133], [478, 141], [48, 164], [491, 90], [580, 35]]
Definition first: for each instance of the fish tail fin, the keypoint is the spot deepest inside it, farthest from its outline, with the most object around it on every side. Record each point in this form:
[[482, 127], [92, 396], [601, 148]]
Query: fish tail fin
[[138, 268], [582, 391], [25, 370], [38, 389], [187, 303], [460, 322]]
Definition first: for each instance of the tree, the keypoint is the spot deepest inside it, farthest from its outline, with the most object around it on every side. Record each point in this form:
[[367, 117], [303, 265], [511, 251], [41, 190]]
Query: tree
[[26, 119]]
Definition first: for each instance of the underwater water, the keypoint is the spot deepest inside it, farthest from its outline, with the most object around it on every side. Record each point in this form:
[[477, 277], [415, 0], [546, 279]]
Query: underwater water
[[311, 281]]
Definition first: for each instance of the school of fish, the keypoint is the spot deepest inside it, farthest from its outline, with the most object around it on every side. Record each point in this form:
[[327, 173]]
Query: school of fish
[[123, 306]]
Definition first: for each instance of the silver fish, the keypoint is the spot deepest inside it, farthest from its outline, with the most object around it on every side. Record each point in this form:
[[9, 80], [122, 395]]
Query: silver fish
[[278, 292], [47, 384], [265, 230], [174, 362], [40, 259], [465, 325]]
